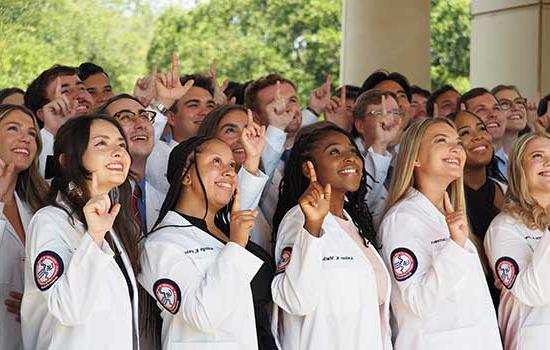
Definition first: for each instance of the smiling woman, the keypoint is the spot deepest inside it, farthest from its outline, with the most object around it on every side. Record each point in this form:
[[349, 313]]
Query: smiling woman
[[82, 249], [442, 299]]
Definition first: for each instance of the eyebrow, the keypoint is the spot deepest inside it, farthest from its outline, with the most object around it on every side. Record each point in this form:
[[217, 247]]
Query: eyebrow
[[536, 151], [463, 127], [444, 135], [331, 145], [230, 125], [106, 137]]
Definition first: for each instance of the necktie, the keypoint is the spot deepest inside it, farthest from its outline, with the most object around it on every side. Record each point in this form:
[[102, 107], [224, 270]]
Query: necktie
[[136, 195]]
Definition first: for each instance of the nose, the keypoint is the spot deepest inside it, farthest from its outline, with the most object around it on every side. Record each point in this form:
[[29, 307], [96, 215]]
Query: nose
[[229, 171]]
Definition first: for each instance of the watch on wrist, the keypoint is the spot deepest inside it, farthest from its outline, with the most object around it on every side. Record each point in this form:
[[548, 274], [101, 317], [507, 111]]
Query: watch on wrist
[[159, 106]]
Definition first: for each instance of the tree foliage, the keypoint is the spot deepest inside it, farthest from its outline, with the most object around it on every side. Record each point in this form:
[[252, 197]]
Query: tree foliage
[[250, 38], [450, 43], [35, 35]]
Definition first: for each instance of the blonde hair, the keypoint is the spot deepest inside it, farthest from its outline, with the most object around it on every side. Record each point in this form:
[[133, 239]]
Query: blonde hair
[[403, 176], [518, 201]]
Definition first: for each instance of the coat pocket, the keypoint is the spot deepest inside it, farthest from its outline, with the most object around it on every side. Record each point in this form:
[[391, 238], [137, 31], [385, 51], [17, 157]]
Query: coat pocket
[[534, 337]]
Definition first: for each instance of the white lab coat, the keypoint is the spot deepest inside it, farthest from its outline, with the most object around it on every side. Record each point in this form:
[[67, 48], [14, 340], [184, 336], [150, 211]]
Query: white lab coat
[[12, 259], [325, 290], [440, 299], [85, 305], [202, 287], [47, 149], [153, 203], [520, 259]]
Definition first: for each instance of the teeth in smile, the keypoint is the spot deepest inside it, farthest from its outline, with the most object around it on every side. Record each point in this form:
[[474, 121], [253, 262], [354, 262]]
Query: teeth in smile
[[545, 173], [349, 171], [479, 149], [452, 161], [515, 117], [492, 125], [22, 151], [114, 166], [139, 138], [224, 185]]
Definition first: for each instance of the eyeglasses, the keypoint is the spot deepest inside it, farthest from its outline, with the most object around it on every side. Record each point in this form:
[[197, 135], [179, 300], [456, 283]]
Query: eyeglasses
[[377, 114], [128, 117], [507, 104]]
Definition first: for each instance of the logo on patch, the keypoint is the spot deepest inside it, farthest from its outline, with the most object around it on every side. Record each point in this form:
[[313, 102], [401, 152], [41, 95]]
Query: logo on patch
[[507, 270], [404, 263], [285, 259], [168, 294], [48, 267]]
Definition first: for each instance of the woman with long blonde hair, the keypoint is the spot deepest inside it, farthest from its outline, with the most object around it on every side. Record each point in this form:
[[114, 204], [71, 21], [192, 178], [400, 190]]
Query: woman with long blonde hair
[[439, 296], [518, 246]]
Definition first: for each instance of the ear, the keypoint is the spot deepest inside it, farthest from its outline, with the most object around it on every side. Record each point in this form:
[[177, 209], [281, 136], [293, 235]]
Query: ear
[[359, 126], [186, 181], [305, 170], [171, 118], [257, 119], [62, 159], [416, 164], [462, 106], [40, 114]]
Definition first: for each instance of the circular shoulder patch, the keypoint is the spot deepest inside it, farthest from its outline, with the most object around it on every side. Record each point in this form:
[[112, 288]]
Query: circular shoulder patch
[[168, 294], [48, 267], [286, 254], [404, 263], [507, 270]]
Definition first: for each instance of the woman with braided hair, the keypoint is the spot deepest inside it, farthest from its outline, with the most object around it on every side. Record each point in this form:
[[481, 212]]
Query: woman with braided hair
[[331, 289]]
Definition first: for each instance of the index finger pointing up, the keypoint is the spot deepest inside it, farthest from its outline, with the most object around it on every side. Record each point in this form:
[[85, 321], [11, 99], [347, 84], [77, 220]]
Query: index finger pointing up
[[57, 92], [175, 64], [312, 174], [236, 202], [250, 118], [384, 110], [95, 185], [447, 205], [343, 95], [278, 90]]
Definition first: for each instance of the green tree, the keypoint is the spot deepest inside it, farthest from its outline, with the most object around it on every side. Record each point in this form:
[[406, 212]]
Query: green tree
[[250, 38], [35, 35], [450, 43]]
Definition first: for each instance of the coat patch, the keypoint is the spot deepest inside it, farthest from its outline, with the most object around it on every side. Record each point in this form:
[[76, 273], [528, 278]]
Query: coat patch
[[48, 267], [168, 294], [286, 254], [404, 263], [507, 270]]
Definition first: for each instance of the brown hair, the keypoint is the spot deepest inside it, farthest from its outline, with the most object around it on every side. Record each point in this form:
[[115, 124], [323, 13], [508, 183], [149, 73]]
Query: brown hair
[[252, 91]]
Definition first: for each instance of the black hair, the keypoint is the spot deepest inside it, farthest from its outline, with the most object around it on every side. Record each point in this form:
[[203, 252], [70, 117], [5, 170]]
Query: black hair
[[236, 89], [4, 93], [87, 69], [382, 75], [352, 91], [431, 100], [36, 95], [471, 94], [200, 81], [214, 117], [543, 106], [492, 169], [417, 90], [294, 183]]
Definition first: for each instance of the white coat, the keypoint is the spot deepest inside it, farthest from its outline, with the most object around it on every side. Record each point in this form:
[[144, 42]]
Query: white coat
[[202, 287], [440, 299], [520, 259], [47, 149], [325, 290], [76, 296], [12, 259], [153, 203]]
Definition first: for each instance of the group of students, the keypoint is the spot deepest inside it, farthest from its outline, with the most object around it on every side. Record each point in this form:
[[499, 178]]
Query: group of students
[[249, 223]]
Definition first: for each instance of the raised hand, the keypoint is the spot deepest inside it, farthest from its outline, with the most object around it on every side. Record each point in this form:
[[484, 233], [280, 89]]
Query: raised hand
[[314, 202], [168, 88], [544, 120], [456, 221], [13, 304], [7, 179], [57, 110], [531, 106], [144, 90], [242, 222], [320, 97], [253, 141], [336, 108], [386, 130], [219, 95], [277, 114], [99, 215]]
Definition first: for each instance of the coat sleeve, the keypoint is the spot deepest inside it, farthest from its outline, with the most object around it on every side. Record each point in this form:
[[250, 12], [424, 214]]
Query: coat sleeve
[[251, 187], [422, 278], [274, 148], [523, 271], [203, 298], [298, 280], [69, 280]]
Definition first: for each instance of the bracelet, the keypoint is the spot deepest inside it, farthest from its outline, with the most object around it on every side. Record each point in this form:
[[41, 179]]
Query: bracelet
[[312, 111], [159, 106]]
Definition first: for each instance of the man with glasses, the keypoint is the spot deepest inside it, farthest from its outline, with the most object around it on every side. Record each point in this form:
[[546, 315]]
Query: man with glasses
[[137, 123], [377, 119], [515, 108], [484, 104]]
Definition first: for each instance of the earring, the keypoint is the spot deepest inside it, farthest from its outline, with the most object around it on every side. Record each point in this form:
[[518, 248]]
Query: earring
[[74, 190]]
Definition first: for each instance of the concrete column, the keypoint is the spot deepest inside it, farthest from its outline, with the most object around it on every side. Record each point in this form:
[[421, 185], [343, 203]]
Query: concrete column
[[510, 44], [388, 34]]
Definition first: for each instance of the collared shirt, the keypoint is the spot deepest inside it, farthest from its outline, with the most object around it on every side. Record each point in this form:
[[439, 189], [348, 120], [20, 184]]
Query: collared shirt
[[502, 162]]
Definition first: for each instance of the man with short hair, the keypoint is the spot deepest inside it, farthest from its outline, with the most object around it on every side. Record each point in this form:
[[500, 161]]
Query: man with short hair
[[377, 119], [55, 96], [442, 102], [419, 97], [485, 105], [96, 81]]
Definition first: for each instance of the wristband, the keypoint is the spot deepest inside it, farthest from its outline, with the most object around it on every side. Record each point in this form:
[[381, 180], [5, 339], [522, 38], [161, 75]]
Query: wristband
[[156, 104]]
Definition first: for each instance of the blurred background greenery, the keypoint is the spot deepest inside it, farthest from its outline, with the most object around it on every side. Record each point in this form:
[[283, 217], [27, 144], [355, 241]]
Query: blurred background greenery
[[249, 38]]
